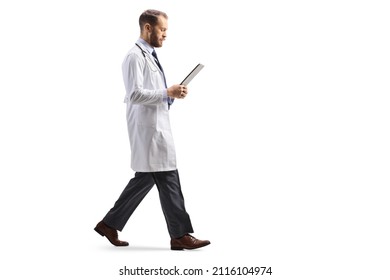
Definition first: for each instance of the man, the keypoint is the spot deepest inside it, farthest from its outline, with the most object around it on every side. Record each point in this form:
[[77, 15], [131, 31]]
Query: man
[[152, 149]]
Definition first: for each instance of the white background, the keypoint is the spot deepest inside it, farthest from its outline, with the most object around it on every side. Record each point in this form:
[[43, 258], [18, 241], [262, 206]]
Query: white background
[[282, 142]]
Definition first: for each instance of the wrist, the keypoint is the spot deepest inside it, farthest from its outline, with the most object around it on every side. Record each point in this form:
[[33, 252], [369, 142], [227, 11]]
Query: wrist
[[169, 92]]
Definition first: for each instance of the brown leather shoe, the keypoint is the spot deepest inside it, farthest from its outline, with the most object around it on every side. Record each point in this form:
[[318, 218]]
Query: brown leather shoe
[[187, 242], [110, 233]]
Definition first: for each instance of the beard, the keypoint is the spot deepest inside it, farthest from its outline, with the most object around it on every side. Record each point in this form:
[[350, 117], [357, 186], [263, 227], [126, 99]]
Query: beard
[[155, 41]]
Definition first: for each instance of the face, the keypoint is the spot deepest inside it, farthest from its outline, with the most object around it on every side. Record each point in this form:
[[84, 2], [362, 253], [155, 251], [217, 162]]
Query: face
[[158, 33]]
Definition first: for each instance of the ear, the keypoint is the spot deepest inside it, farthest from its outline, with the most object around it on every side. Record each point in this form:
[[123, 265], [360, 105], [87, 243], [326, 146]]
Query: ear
[[148, 28]]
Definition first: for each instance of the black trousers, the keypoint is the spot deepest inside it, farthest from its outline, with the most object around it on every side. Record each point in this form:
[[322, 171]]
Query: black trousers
[[171, 198]]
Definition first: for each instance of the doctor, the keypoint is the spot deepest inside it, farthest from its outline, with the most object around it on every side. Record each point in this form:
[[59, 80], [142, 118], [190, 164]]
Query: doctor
[[153, 157]]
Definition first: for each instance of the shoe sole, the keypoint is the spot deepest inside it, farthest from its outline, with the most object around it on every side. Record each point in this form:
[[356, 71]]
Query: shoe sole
[[182, 248], [177, 248]]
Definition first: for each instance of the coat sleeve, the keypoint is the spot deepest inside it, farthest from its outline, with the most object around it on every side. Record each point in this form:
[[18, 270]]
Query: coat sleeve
[[133, 77]]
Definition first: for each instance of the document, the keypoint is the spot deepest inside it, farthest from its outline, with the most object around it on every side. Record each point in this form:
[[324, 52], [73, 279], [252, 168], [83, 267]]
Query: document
[[192, 74]]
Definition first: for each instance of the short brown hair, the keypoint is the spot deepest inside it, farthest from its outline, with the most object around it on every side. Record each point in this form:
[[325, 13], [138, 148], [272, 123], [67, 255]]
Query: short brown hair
[[151, 17]]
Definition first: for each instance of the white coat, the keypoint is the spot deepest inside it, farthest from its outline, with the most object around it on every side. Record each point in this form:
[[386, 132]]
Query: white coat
[[151, 141]]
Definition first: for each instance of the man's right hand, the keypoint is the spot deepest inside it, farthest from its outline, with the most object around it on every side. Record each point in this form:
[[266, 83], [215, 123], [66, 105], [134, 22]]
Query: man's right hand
[[177, 91]]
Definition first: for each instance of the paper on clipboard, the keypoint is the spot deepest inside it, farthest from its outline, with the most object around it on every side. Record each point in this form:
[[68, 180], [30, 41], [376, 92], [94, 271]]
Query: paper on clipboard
[[192, 74]]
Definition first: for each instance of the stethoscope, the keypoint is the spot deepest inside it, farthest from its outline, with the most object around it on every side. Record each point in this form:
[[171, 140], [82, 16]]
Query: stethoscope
[[149, 61]]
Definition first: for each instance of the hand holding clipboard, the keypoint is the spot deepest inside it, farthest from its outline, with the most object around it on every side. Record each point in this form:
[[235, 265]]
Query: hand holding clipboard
[[180, 91]]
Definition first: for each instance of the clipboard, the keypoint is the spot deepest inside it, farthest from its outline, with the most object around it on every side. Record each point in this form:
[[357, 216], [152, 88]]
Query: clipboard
[[192, 74]]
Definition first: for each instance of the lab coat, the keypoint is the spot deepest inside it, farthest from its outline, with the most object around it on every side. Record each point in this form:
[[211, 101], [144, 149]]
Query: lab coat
[[151, 141]]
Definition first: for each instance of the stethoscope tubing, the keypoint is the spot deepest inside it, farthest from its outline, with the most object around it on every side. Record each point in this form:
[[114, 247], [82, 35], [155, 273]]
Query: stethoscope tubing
[[148, 59]]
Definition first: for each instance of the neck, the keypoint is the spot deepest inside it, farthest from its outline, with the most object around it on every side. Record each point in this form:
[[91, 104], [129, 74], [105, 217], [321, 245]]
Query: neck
[[145, 38]]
